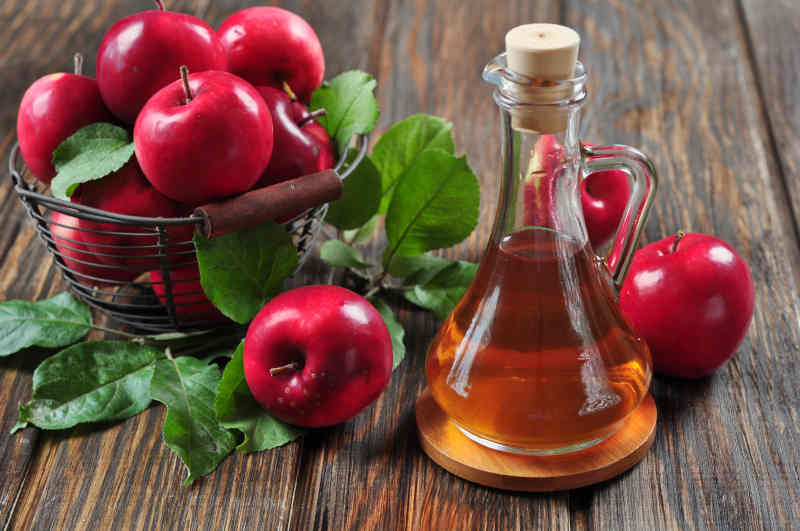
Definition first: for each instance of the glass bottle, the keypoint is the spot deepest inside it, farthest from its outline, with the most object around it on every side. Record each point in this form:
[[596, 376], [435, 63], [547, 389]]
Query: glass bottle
[[537, 357]]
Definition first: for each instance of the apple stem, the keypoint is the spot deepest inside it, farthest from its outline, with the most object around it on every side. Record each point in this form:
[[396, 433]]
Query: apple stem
[[289, 91], [187, 90], [160, 5], [292, 366], [677, 239], [311, 116], [77, 62]]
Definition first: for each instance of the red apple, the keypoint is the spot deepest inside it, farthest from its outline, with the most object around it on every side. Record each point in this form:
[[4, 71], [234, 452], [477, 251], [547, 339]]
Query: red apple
[[317, 355], [540, 181], [127, 192], [604, 195], [141, 54], [204, 138], [53, 108], [70, 238], [691, 299], [191, 303], [300, 148], [270, 46]]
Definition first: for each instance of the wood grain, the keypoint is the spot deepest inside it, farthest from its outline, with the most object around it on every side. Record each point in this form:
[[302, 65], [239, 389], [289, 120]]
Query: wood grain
[[708, 89], [776, 56]]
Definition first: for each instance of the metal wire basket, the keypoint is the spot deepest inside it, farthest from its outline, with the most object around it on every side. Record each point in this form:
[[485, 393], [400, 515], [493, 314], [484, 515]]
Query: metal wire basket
[[141, 272]]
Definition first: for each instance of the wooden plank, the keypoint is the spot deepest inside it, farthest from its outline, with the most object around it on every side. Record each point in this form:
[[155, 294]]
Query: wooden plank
[[675, 78], [125, 477], [771, 30]]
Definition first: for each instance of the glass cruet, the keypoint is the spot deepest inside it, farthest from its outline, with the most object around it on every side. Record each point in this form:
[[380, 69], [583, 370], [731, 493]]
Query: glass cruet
[[537, 357]]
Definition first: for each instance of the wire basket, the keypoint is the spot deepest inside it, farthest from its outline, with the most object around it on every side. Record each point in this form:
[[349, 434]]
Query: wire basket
[[141, 272]]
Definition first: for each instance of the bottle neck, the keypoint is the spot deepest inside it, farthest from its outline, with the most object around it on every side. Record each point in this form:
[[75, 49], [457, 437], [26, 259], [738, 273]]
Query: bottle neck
[[540, 184]]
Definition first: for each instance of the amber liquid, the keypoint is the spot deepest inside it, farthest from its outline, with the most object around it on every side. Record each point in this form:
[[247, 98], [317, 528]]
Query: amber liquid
[[537, 356]]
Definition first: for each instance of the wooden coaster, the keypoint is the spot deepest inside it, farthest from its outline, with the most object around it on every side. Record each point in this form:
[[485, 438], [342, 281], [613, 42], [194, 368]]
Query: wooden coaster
[[455, 452]]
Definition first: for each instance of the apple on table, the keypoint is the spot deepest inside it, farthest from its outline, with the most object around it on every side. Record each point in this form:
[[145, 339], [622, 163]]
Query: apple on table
[[690, 296], [317, 355]]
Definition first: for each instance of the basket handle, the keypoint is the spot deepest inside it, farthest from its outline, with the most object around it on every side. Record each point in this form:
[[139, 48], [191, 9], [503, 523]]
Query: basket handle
[[276, 201]]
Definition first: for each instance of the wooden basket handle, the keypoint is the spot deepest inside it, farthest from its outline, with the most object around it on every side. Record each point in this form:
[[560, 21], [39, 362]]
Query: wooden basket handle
[[276, 201]]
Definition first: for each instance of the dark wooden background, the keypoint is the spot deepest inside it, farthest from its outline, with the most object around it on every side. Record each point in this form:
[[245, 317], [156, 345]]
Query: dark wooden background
[[708, 89]]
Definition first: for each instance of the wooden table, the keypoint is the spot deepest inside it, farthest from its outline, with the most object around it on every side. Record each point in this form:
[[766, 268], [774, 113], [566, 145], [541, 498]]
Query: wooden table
[[708, 89]]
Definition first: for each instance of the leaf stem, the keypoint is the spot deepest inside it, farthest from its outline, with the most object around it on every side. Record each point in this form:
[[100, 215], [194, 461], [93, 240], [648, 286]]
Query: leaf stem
[[372, 292], [376, 284]]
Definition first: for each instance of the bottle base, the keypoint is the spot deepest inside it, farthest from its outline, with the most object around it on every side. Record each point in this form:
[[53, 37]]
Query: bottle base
[[494, 445], [451, 449]]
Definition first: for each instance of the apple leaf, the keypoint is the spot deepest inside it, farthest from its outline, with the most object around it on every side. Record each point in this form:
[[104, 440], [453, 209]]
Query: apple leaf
[[417, 269], [90, 153], [350, 106], [339, 254], [55, 322], [396, 330], [362, 234], [397, 149], [441, 293], [434, 205], [237, 409], [241, 271], [90, 382], [361, 195], [187, 386]]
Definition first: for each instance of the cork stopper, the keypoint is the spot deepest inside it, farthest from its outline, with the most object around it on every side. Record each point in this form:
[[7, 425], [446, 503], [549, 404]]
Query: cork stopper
[[544, 52]]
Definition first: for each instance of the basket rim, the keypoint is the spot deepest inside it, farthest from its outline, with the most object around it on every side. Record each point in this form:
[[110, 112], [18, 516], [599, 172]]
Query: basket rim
[[16, 167]]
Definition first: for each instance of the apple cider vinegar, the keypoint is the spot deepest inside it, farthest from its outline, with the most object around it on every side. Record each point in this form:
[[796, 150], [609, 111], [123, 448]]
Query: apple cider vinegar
[[536, 357]]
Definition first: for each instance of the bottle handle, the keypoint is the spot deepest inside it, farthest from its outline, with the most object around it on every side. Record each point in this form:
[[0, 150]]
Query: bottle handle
[[644, 181]]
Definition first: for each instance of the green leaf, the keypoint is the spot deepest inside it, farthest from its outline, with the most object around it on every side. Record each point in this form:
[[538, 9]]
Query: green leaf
[[350, 106], [90, 153], [55, 322], [362, 234], [398, 148], [395, 330], [237, 409], [187, 386], [360, 197], [417, 269], [91, 382], [434, 205], [444, 290], [339, 254], [241, 271]]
